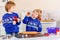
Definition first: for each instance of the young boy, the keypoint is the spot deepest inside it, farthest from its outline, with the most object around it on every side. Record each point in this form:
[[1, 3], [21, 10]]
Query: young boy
[[32, 21], [11, 19]]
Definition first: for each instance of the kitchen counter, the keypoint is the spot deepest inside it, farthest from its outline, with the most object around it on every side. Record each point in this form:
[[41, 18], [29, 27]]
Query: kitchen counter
[[46, 24]]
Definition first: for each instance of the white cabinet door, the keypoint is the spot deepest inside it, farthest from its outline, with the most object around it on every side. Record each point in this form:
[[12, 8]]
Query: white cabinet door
[[45, 25]]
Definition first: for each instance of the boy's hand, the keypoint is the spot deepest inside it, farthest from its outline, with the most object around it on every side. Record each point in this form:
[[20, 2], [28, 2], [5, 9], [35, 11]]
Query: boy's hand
[[14, 22], [18, 19], [28, 14]]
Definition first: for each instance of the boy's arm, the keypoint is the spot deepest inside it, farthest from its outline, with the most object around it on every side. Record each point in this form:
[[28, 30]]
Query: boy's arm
[[3, 21], [25, 20], [18, 20], [39, 27]]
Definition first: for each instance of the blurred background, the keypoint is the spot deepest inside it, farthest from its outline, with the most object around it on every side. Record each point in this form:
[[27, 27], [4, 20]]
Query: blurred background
[[50, 9]]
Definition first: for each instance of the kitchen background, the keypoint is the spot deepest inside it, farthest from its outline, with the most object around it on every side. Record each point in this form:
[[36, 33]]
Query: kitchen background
[[50, 8]]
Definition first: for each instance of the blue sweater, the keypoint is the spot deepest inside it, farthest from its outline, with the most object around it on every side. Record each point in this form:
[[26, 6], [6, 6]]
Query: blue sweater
[[32, 24], [8, 22]]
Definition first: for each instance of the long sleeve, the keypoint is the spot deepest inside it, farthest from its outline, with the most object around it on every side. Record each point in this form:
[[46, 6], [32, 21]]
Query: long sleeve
[[6, 21], [25, 20], [18, 23], [3, 20], [39, 27]]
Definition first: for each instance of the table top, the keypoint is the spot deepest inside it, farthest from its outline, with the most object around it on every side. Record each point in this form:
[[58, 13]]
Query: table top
[[37, 38]]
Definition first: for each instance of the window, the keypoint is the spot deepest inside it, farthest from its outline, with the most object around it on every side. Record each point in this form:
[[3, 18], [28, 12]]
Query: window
[[3, 2]]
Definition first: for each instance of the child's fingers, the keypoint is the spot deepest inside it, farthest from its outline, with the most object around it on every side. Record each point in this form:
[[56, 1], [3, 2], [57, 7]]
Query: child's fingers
[[28, 14], [14, 22], [19, 19]]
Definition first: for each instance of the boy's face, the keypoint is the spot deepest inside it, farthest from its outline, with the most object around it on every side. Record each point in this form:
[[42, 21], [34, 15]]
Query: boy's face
[[34, 14], [12, 9]]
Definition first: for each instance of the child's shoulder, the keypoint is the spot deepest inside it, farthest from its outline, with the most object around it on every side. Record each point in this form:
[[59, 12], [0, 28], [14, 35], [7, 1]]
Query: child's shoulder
[[38, 20], [29, 18], [5, 14], [15, 13]]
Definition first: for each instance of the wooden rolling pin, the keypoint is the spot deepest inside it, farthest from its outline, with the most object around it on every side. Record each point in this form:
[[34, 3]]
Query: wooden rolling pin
[[29, 33]]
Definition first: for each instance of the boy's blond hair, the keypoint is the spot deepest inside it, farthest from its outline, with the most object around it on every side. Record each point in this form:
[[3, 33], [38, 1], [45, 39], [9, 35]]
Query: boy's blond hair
[[39, 12], [8, 5]]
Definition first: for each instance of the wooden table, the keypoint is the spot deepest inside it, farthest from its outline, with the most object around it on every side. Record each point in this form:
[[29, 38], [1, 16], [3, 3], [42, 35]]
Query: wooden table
[[29, 34]]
